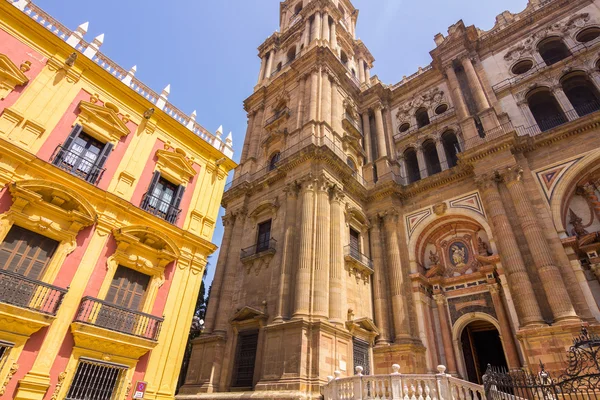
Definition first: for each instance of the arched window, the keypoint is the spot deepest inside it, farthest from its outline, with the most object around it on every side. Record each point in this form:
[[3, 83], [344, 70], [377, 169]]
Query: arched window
[[422, 117], [451, 147], [291, 54], [274, 160], [545, 109], [552, 50], [412, 165], [431, 157], [352, 165], [581, 93], [298, 8]]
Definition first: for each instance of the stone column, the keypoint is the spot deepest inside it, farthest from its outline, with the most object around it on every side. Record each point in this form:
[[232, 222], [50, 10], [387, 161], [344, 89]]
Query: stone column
[[508, 341], [325, 97], [301, 101], [422, 163], [527, 306], [320, 296], [380, 292], [456, 93], [337, 283], [554, 287], [246, 148], [564, 103], [441, 152], [211, 312], [314, 92], [261, 74], [396, 278], [305, 256], [367, 73], [479, 95], [317, 26], [287, 259], [325, 23], [361, 70], [367, 135], [403, 169], [256, 133], [306, 34], [270, 64], [334, 43], [381, 146], [442, 307]]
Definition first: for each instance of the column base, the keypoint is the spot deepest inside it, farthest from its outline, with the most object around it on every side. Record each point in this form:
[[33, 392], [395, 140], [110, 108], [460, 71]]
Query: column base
[[33, 386], [410, 357], [383, 166], [489, 120]]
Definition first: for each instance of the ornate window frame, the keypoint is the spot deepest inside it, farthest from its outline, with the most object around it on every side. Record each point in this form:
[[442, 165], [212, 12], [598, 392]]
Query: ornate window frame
[[135, 250], [175, 166], [101, 122], [11, 76], [52, 210]]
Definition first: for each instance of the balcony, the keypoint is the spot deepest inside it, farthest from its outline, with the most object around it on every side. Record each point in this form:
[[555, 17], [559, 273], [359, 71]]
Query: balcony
[[160, 208], [278, 117], [27, 304], [351, 124], [77, 165], [354, 256], [552, 122], [258, 250], [434, 122], [113, 329]]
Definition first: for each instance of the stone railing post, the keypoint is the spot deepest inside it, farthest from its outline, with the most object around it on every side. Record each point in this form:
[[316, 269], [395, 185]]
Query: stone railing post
[[443, 386], [334, 388], [358, 389], [396, 380]]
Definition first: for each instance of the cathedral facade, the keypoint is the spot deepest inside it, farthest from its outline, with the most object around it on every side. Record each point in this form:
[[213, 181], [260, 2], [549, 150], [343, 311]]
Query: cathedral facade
[[451, 218]]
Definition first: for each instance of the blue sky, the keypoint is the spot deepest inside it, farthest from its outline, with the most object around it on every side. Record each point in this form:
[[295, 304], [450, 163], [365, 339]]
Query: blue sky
[[206, 49]]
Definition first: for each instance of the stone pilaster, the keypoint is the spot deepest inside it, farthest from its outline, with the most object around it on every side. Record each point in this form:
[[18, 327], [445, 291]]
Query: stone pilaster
[[564, 102], [325, 97], [306, 33], [334, 43], [317, 26], [367, 135], [314, 93], [325, 23], [336, 111], [337, 283], [442, 306], [302, 82], [508, 340], [554, 287], [287, 260], [305, 256], [527, 306], [256, 133], [380, 289], [396, 278], [246, 148], [320, 295]]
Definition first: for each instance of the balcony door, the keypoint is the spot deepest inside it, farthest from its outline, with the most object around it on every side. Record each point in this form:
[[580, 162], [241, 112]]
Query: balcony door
[[245, 359], [264, 236], [26, 253], [354, 242]]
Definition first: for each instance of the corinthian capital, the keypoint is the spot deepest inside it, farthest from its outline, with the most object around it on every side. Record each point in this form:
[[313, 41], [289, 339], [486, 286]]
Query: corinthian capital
[[486, 181], [512, 174], [292, 189], [336, 194], [440, 299]]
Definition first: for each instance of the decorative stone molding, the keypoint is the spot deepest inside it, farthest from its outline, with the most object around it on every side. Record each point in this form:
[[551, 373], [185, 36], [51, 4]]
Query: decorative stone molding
[[175, 166], [101, 122], [10, 76], [249, 317], [11, 372], [59, 384], [429, 99], [363, 328], [110, 342], [266, 208]]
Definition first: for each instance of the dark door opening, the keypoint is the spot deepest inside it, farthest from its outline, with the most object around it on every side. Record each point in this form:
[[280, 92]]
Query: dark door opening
[[481, 346], [361, 355], [243, 374]]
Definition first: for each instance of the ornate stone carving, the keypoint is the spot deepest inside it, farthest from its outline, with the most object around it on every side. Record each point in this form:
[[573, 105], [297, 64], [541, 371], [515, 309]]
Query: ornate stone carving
[[13, 370], [59, 384], [440, 209], [578, 228], [428, 100]]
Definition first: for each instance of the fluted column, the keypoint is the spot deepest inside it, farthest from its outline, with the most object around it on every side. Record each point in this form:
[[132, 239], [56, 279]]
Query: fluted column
[[380, 292], [381, 146], [325, 97], [248, 139], [211, 312], [367, 135], [337, 283], [261, 74], [270, 65], [422, 163], [457, 96], [336, 109], [322, 251], [287, 259], [306, 34], [224, 300], [317, 26], [480, 100], [442, 307], [325, 23], [396, 277], [334, 43], [527, 306], [554, 287], [305, 256], [508, 341], [314, 92], [361, 70], [441, 152]]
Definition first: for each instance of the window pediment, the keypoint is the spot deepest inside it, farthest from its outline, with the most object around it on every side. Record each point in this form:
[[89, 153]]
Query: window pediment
[[144, 249], [101, 122], [175, 166], [265, 208], [248, 314], [10, 76], [363, 328]]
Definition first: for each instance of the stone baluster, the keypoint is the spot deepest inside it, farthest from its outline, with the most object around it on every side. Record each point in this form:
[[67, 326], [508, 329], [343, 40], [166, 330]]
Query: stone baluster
[[554, 287], [442, 306], [305, 256], [322, 251], [396, 277], [381, 146], [288, 258], [527, 306], [508, 341], [337, 282], [367, 135], [380, 297]]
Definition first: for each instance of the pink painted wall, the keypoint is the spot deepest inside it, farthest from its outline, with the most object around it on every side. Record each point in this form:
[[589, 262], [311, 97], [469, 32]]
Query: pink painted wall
[[26, 360], [5, 199], [146, 177], [18, 52], [113, 161], [187, 196]]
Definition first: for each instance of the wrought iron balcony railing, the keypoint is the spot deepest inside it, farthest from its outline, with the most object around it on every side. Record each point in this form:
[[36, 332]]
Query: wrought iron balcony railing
[[76, 164], [260, 247], [160, 208], [119, 319], [551, 122], [20, 291], [278, 115], [351, 251]]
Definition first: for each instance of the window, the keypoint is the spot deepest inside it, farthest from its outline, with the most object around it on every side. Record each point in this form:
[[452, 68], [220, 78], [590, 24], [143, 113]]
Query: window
[[521, 67], [352, 165], [431, 157], [545, 109], [404, 127], [82, 155], [422, 117], [581, 93], [245, 359], [442, 108], [274, 160], [26, 253], [128, 288], [451, 147], [361, 355], [291, 55], [298, 8], [412, 165], [5, 349], [354, 242], [553, 50], [264, 236], [96, 380], [344, 58], [163, 198], [588, 34]]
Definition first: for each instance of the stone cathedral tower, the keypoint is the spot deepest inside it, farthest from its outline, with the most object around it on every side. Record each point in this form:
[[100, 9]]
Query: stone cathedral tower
[[434, 221]]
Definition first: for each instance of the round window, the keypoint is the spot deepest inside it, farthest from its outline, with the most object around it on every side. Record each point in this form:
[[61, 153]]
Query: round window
[[522, 66], [404, 127], [587, 35], [442, 108]]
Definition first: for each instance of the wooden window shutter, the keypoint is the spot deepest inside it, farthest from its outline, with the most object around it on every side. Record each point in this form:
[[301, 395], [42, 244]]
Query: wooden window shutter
[[26, 253], [153, 183], [77, 129], [174, 209], [128, 288], [100, 161]]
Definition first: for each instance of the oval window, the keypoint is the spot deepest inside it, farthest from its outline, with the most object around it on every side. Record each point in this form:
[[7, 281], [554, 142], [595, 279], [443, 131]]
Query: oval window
[[442, 108], [587, 35], [404, 127], [522, 66]]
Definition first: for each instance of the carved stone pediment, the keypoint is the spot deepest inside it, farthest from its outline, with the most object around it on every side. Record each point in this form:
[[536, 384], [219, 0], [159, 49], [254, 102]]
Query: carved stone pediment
[[10, 76], [267, 208], [175, 166], [363, 328], [248, 313], [144, 249], [101, 122]]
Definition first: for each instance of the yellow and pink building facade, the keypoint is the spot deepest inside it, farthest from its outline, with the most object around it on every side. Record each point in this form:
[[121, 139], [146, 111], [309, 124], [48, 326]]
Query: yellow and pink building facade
[[109, 197]]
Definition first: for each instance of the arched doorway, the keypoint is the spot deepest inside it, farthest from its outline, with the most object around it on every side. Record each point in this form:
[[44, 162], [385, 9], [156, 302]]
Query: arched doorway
[[481, 345]]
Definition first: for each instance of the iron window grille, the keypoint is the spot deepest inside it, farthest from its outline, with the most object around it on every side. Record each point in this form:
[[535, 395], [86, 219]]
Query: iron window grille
[[97, 380]]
